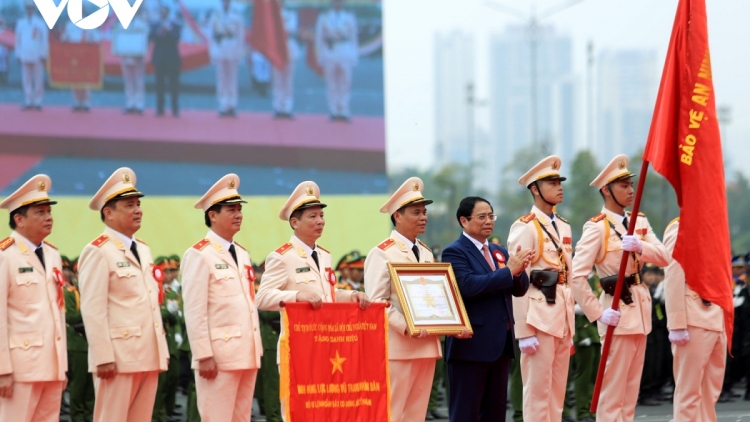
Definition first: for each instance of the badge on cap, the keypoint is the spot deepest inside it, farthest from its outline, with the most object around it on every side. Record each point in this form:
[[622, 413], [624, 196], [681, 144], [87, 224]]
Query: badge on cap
[[310, 191], [231, 184], [416, 186], [41, 186]]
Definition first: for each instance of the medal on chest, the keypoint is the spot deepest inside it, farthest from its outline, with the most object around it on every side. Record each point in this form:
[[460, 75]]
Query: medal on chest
[[500, 258]]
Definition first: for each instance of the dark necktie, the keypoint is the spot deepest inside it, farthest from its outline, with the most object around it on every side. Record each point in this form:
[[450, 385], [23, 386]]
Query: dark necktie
[[134, 249], [416, 251], [233, 252], [40, 254], [557, 232], [625, 222], [315, 258]]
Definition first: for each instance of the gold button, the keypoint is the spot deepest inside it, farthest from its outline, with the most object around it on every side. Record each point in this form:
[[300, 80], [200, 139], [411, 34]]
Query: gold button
[[156, 325], [154, 307], [149, 290], [226, 336], [58, 339], [126, 334], [25, 344], [27, 282], [255, 329]]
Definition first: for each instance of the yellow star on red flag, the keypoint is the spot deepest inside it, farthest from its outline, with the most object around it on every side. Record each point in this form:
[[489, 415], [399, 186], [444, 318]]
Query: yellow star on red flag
[[337, 362]]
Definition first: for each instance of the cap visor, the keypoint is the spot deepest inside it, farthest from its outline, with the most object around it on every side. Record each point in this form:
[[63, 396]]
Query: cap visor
[[311, 205], [560, 178], [130, 194]]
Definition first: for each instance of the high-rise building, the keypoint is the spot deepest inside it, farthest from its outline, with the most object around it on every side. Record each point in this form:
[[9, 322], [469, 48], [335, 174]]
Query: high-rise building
[[454, 74], [628, 81]]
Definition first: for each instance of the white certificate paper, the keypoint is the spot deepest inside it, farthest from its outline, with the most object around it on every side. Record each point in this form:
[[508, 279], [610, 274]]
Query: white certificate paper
[[429, 300]]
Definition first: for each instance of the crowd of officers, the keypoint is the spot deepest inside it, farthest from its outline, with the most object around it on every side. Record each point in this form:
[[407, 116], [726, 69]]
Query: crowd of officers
[[118, 368]]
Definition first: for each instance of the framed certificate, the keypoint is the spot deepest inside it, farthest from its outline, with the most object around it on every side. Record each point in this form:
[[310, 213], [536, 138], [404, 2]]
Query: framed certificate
[[429, 298], [129, 43]]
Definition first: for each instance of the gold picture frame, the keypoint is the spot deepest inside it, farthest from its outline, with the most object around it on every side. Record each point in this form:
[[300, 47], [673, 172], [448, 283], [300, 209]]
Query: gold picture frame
[[429, 298]]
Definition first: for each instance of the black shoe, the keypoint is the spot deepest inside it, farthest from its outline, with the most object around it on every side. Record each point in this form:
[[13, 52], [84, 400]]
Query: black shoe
[[175, 114], [178, 406], [648, 401], [438, 414], [568, 419], [232, 113], [138, 111], [128, 111], [38, 108], [28, 107], [159, 113], [725, 397]]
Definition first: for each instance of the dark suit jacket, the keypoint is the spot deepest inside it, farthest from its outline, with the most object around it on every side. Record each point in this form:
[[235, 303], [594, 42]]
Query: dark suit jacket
[[487, 298], [166, 51]]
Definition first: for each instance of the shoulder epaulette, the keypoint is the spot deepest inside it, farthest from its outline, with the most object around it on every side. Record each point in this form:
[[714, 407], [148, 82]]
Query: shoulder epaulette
[[99, 241], [50, 244], [387, 243], [201, 244], [673, 221], [640, 214], [284, 248], [323, 249], [599, 217], [141, 240], [527, 218], [424, 244], [561, 219], [244, 248], [5, 243]]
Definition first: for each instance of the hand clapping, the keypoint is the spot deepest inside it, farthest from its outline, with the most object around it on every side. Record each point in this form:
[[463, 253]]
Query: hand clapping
[[518, 262]]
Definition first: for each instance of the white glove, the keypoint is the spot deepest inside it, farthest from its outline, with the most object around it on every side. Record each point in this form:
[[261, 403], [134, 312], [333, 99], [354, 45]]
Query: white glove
[[632, 244], [610, 317], [679, 337], [528, 345], [585, 342], [172, 306], [178, 339], [738, 301], [578, 309]]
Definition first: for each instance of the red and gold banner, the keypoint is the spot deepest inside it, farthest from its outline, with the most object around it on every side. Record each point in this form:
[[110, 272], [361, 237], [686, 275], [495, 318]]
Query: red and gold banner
[[334, 363], [75, 65]]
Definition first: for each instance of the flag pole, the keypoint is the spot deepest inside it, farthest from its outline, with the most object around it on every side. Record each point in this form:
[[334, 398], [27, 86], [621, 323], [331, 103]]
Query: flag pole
[[618, 289]]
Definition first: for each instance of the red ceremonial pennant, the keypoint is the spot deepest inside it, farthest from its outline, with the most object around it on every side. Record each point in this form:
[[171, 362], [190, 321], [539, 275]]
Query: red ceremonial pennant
[[334, 363], [60, 283]]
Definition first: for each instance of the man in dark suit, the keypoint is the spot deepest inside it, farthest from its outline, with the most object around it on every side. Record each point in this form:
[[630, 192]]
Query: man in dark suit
[[166, 60], [487, 277]]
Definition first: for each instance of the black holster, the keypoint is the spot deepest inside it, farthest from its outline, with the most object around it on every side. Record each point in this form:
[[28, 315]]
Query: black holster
[[609, 283], [546, 281]]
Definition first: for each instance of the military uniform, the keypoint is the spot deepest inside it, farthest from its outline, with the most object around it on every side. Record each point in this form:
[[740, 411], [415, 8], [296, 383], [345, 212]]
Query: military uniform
[[270, 327], [699, 352], [600, 246], [411, 360], [120, 308], [134, 67], [166, 390], [32, 44], [545, 312], [587, 356], [227, 49], [221, 314], [337, 48], [33, 352], [80, 382]]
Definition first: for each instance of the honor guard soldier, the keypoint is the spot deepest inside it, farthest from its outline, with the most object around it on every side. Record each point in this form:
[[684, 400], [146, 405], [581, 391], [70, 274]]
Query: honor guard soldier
[[33, 352], [337, 47], [699, 342], [603, 241], [411, 359], [120, 307], [544, 317], [80, 382], [220, 311], [32, 44], [227, 48]]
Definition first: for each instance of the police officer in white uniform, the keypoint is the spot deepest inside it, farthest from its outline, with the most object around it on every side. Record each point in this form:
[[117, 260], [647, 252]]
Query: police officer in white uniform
[[32, 44]]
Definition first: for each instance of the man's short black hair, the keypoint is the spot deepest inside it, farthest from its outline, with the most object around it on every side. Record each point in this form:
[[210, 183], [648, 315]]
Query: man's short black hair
[[466, 207], [401, 211], [215, 207], [112, 203], [296, 214], [20, 210]]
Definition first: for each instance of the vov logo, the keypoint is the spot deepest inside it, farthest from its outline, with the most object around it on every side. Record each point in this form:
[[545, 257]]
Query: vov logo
[[122, 8]]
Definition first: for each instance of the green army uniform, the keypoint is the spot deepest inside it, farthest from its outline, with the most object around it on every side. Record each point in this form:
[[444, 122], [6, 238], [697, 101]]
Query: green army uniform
[[81, 385], [516, 385], [437, 379], [586, 359], [173, 371], [268, 374]]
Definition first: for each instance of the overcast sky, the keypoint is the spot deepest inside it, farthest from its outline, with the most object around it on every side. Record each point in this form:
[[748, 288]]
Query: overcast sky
[[411, 25]]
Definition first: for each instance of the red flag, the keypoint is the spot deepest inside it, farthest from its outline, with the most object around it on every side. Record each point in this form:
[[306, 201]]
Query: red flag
[[684, 146], [268, 35], [334, 363]]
